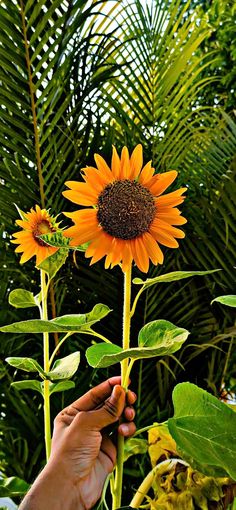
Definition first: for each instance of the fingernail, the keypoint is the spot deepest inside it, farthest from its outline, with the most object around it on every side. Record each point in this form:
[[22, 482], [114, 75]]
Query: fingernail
[[125, 429]]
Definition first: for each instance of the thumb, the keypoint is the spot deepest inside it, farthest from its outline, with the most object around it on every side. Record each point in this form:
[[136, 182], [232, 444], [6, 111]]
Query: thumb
[[109, 413]]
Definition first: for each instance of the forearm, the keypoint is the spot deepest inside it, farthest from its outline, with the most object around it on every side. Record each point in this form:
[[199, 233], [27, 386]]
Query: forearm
[[52, 490]]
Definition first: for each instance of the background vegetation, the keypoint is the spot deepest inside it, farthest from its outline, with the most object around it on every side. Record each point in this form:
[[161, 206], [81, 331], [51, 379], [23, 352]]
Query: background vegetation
[[76, 77]]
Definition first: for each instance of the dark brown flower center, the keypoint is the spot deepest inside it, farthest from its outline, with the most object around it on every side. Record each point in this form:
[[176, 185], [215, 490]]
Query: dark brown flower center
[[44, 227], [125, 209]]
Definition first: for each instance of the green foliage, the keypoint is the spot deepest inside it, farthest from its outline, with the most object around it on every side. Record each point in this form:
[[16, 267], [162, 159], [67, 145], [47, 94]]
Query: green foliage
[[21, 298], [171, 277], [158, 338], [204, 429], [27, 364], [64, 368], [135, 446], [52, 264], [226, 300], [66, 323], [13, 486]]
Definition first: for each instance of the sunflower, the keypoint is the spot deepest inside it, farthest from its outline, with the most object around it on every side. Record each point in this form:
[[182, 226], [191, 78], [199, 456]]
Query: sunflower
[[34, 224], [127, 218]]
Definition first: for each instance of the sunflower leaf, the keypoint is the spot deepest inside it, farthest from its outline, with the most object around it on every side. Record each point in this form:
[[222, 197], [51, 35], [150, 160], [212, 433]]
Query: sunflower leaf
[[27, 364], [158, 338], [29, 384], [171, 277], [64, 368], [204, 430], [229, 300], [21, 298], [58, 240], [163, 334], [78, 322], [52, 264], [134, 446], [60, 386]]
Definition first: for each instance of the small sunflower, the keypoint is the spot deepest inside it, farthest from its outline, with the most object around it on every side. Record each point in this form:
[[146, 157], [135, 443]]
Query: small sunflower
[[35, 223], [127, 219]]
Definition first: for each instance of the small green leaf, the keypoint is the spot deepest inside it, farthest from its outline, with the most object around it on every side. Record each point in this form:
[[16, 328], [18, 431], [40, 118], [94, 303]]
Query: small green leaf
[[52, 264], [158, 338], [58, 240], [172, 277], [229, 300], [135, 446], [27, 385], [21, 298], [64, 368], [103, 355], [60, 386], [22, 214], [13, 486], [204, 429], [66, 323], [27, 364]]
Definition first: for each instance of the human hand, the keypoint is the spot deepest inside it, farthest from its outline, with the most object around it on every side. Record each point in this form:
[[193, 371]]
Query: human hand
[[80, 444], [82, 454]]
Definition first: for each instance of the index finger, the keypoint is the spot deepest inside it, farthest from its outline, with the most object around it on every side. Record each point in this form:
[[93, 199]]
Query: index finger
[[96, 395]]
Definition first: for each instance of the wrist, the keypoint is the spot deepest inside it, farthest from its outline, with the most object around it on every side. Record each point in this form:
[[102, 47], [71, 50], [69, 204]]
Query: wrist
[[53, 489]]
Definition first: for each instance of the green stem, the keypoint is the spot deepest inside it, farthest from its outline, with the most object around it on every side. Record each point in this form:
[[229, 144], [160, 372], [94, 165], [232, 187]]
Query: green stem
[[58, 347], [124, 382], [227, 361], [46, 395], [136, 300], [94, 333]]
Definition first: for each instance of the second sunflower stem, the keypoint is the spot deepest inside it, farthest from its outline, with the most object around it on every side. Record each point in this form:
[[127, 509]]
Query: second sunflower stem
[[46, 394]]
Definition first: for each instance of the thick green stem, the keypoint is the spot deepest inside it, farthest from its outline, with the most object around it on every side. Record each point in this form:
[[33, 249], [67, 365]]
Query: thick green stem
[[46, 396], [124, 382]]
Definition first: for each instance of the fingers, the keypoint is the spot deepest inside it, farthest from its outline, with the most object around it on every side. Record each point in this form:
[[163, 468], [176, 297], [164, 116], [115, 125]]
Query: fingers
[[131, 397], [129, 413], [96, 395], [127, 429], [109, 413]]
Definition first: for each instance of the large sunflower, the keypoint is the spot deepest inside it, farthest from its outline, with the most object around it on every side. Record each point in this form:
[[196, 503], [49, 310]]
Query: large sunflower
[[127, 219], [35, 223]]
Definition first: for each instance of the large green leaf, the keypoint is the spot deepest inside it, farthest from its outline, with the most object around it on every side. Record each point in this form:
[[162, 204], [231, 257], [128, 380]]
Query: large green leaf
[[226, 300], [158, 338], [64, 368], [171, 277], [204, 429], [66, 323]]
